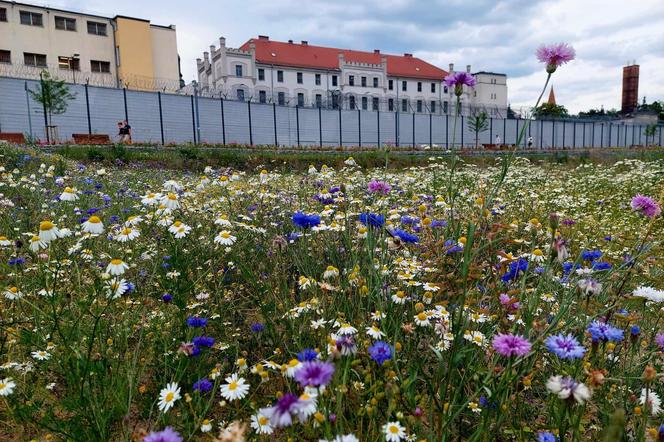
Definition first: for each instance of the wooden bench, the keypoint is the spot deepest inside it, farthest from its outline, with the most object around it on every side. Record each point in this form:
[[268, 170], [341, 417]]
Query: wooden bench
[[91, 139], [12, 137]]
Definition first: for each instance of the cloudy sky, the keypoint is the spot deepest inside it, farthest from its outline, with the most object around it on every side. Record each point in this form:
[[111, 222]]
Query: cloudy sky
[[498, 36]]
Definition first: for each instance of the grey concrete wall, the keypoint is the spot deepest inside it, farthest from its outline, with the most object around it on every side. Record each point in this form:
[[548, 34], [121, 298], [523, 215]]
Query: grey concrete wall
[[182, 122]]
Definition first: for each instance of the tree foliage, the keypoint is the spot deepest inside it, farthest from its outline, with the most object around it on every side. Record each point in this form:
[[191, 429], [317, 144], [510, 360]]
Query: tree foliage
[[478, 122], [53, 94], [550, 110]]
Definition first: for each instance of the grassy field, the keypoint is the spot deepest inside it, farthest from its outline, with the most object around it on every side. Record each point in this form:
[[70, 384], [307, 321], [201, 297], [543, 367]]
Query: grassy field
[[237, 295]]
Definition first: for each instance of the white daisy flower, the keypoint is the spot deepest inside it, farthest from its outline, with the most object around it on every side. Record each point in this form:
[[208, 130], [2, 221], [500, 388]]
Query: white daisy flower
[[235, 388], [7, 386], [41, 355], [261, 424], [116, 267], [225, 238], [93, 225], [47, 231], [168, 396], [394, 432], [69, 194]]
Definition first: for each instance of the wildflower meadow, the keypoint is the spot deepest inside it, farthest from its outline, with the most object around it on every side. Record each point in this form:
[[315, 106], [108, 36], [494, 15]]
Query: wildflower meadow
[[446, 301]]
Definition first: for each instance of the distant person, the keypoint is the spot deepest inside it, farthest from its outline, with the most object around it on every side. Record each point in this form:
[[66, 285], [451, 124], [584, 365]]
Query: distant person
[[121, 132], [127, 132], [530, 142], [498, 141]]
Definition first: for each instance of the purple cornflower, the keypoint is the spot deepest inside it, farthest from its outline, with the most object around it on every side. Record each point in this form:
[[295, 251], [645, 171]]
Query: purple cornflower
[[565, 347], [314, 373], [659, 339], [458, 79], [604, 332], [380, 352], [375, 186], [281, 413], [257, 327], [165, 435], [646, 206], [203, 341], [508, 302], [511, 345], [202, 385], [555, 55], [194, 321]]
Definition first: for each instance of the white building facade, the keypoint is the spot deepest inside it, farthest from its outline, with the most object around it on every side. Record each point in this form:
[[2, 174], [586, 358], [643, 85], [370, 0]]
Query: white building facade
[[290, 74]]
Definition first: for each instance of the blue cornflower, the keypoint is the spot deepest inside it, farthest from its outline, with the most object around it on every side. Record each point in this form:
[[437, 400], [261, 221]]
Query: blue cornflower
[[568, 267], [380, 352], [166, 298], [202, 385], [565, 347], [194, 321], [372, 219], [305, 221], [405, 236], [515, 268], [203, 341], [600, 331], [410, 220], [452, 246], [257, 327], [601, 266], [308, 354], [545, 436], [635, 330], [591, 255], [131, 287], [16, 261], [438, 223]]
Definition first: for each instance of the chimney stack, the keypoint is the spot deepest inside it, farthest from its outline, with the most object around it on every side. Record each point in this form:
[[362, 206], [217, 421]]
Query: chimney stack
[[263, 37], [222, 42], [451, 68], [376, 51], [290, 41], [305, 43], [630, 89], [468, 68]]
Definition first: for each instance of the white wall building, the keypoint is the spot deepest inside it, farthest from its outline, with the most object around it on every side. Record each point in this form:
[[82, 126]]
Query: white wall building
[[490, 94], [288, 73]]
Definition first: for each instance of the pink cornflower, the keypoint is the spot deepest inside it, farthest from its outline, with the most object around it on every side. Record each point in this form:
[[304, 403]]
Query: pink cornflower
[[511, 345], [646, 206], [375, 186], [555, 55]]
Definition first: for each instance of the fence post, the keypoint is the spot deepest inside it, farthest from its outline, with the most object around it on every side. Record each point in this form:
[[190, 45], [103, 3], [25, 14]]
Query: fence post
[[413, 130], [447, 131], [124, 95], [193, 118], [553, 134], [378, 128], [609, 144], [564, 124], [396, 127], [320, 126], [504, 130], [48, 136], [274, 120], [583, 139], [625, 135], [198, 116], [516, 135], [574, 135], [341, 140], [223, 123], [601, 135], [161, 119], [461, 133], [251, 134], [27, 101], [359, 128], [640, 131], [297, 124], [430, 131], [87, 108], [541, 137], [490, 130]]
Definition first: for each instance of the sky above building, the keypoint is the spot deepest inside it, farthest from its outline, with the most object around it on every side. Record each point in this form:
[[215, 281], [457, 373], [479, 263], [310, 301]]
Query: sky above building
[[497, 36]]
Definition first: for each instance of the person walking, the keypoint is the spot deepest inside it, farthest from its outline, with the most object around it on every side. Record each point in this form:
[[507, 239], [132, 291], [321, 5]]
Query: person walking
[[127, 132], [499, 142], [121, 132], [530, 142]]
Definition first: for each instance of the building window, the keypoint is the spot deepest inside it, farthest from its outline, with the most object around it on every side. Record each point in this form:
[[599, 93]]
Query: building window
[[390, 104], [65, 23], [317, 79], [335, 101], [365, 103], [351, 102], [419, 86], [334, 80], [3, 14], [262, 97], [31, 18], [374, 103], [96, 28], [299, 78], [69, 63], [5, 56], [404, 85], [433, 88], [390, 84], [419, 105], [300, 99], [445, 107], [364, 81], [351, 80], [280, 76], [281, 99], [375, 82], [319, 100], [433, 107], [404, 105], [261, 74], [475, 94], [238, 70], [100, 66], [30, 59], [240, 94]]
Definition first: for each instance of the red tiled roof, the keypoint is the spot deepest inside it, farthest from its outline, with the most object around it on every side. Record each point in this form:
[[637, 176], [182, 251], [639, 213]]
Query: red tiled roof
[[319, 57]]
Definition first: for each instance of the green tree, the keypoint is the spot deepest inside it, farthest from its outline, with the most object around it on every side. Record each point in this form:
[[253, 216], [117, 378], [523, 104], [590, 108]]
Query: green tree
[[478, 122], [650, 131], [53, 94], [551, 111]]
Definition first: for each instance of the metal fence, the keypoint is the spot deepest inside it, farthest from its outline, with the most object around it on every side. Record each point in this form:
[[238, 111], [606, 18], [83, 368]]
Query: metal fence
[[164, 118]]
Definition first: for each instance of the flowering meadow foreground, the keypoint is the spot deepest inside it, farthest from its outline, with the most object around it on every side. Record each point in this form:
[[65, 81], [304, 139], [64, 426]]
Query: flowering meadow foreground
[[349, 304]]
